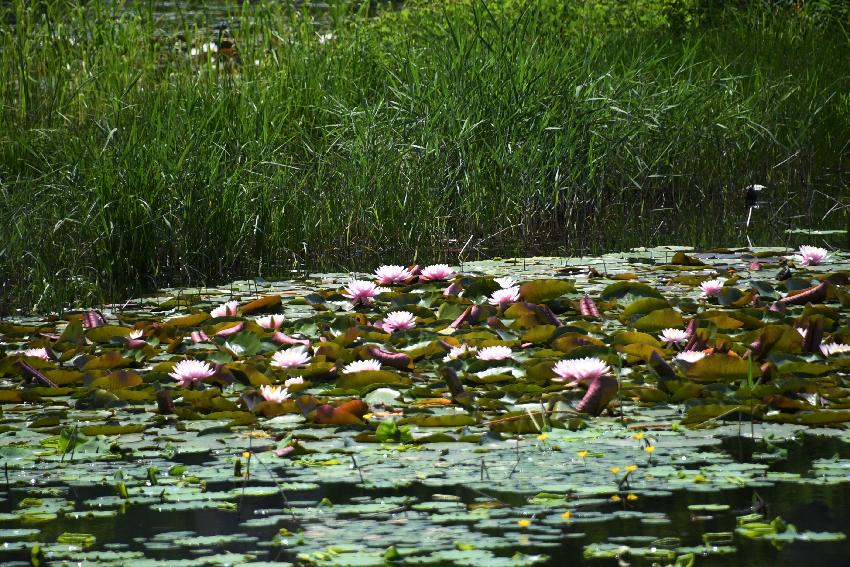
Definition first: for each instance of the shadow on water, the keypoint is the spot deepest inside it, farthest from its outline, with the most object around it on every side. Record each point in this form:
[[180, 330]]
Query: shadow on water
[[808, 506]]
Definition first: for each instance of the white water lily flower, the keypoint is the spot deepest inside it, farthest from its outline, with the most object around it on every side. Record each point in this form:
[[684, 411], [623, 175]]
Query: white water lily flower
[[494, 353], [674, 336], [828, 349], [290, 358], [37, 353], [228, 309], [275, 394], [361, 366], [187, 372], [399, 321], [458, 351], [690, 356], [504, 297], [580, 369], [270, 322]]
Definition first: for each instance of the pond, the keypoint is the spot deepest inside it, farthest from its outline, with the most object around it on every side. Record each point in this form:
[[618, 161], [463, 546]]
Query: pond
[[438, 417]]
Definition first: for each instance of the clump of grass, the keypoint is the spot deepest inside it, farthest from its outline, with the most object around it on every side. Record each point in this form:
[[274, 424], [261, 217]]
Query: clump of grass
[[130, 161]]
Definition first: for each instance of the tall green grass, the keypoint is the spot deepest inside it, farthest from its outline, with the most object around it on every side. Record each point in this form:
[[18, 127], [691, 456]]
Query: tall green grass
[[519, 127]]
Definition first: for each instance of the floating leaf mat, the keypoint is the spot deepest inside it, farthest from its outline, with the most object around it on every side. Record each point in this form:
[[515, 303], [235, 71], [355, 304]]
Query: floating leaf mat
[[431, 455]]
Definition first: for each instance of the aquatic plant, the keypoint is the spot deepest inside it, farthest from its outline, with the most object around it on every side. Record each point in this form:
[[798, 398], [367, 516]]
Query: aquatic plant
[[229, 309], [275, 394], [504, 297], [689, 356], [580, 369], [40, 352], [812, 255], [361, 366], [828, 349], [270, 322], [436, 272], [392, 274], [360, 292], [494, 353], [291, 357], [398, 321], [674, 336], [711, 288], [188, 372]]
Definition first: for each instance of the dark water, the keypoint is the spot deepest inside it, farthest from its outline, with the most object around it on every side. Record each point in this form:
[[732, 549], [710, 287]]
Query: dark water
[[814, 508]]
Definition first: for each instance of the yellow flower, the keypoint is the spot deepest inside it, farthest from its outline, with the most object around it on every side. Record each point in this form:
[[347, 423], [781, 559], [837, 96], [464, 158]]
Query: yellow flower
[[649, 448], [567, 516], [615, 498], [640, 435], [583, 453], [632, 497], [246, 455], [543, 437], [367, 416], [631, 468], [614, 470], [524, 523]]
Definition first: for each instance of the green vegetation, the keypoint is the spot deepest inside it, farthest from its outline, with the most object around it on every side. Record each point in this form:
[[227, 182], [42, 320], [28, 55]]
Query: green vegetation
[[127, 162], [644, 410]]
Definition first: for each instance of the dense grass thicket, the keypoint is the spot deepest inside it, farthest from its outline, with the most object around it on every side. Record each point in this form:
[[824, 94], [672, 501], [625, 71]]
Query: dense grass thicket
[[138, 151]]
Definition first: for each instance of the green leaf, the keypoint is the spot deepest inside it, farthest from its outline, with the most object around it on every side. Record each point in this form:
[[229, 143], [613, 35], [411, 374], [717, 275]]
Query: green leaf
[[721, 368], [659, 319], [629, 291], [539, 291], [244, 344]]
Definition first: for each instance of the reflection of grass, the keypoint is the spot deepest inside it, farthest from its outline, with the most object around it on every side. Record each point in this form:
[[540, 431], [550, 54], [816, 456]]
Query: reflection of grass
[[126, 162]]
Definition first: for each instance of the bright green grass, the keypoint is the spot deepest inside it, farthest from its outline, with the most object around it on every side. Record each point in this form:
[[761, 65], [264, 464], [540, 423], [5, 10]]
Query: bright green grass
[[126, 164]]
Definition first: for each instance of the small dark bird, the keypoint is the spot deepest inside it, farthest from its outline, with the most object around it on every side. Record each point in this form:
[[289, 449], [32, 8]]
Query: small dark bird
[[751, 194], [751, 200]]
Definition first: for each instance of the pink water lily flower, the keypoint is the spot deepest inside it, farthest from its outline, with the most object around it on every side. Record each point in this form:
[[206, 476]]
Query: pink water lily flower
[[811, 255], [459, 351], [136, 334], [674, 336], [228, 309], [494, 353], [187, 372], [504, 297], [392, 274], [360, 291], [274, 394], [270, 322], [437, 272], [290, 358], [361, 366], [828, 349], [711, 287], [295, 380], [37, 353], [454, 288], [580, 369], [690, 356], [399, 321]]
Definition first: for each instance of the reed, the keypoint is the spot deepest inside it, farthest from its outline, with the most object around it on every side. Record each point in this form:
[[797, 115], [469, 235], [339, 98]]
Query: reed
[[340, 139]]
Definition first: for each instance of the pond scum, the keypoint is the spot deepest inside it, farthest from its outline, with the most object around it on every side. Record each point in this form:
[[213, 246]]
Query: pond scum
[[658, 407]]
